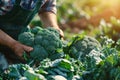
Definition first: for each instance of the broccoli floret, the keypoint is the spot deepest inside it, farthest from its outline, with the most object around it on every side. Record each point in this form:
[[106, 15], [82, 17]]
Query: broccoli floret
[[39, 53], [38, 40], [36, 29], [55, 56], [54, 31], [81, 46], [26, 38], [49, 41]]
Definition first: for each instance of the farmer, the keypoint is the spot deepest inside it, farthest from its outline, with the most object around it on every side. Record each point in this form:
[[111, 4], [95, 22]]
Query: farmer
[[15, 15]]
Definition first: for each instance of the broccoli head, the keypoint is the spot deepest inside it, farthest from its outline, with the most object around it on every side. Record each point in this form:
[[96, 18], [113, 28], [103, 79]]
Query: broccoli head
[[49, 41], [81, 45], [45, 43]]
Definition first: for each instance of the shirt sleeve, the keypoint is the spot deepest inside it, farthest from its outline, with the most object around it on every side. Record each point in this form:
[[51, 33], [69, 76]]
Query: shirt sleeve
[[49, 6]]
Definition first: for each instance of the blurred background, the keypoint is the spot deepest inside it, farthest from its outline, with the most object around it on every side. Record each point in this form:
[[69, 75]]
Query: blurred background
[[91, 17]]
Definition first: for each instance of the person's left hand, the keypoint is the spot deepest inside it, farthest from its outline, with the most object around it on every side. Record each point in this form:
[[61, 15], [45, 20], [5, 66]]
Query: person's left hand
[[60, 31]]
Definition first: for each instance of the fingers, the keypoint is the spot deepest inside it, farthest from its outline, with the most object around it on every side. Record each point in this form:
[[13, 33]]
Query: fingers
[[61, 33], [23, 49], [27, 48], [20, 49], [20, 54], [62, 39]]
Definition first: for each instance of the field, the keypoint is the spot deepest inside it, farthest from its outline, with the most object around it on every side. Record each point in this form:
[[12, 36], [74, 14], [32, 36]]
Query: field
[[83, 15], [90, 49]]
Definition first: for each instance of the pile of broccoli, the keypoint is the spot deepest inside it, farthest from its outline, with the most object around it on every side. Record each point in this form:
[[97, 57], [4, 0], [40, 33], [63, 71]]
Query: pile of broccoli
[[46, 42], [83, 58]]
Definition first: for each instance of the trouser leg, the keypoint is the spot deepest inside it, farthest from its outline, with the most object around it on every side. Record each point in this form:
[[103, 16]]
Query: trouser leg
[[3, 62]]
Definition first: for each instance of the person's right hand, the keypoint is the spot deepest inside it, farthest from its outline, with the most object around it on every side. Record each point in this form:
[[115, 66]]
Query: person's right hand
[[14, 45], [19, 49]]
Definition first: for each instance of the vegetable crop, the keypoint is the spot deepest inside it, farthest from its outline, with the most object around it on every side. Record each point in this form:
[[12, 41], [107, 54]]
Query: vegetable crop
[[83, 58], [46, 43], [81, 45]]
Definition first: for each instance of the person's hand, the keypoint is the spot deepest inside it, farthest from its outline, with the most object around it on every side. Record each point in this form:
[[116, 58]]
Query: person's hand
[[60, 31], [19, 49]]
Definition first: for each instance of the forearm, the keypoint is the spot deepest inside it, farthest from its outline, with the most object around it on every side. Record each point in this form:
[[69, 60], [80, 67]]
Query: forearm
[[6, 40], [14, 45], [49, 19]]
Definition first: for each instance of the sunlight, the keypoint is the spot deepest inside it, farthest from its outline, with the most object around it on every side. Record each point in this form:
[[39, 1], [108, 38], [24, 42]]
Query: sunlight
[[109, 3]]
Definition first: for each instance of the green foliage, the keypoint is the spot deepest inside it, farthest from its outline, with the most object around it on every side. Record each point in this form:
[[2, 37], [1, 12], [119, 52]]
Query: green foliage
[[1, 78], [106, 68], [108, 29], [14, 72], [61, 67], [99, 64], [31, 75], [69, 8], [103, 70], [118, 45], [85, 58], [36, 22], [56, 77], [65, 64], [115, 73]]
